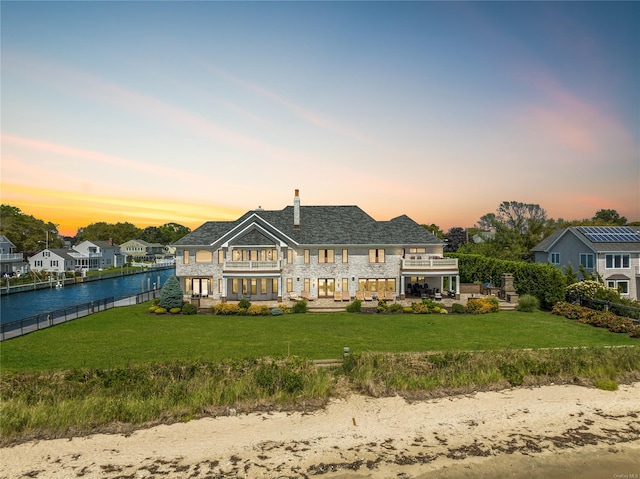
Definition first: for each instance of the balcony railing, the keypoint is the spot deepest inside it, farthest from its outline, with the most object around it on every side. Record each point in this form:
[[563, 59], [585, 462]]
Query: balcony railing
[[251, 265], [11, 257], [430, 264]]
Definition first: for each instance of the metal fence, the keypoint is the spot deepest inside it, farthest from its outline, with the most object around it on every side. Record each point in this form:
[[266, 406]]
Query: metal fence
[[615, 308], [59, 316]]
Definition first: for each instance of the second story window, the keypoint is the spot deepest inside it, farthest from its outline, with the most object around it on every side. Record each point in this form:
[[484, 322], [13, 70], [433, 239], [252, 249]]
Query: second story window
[[185, 257], [306, 256], [220, 256], [325, 256], [289, 256], [617, 261], [345, 255], [376, 256], [586, 260]]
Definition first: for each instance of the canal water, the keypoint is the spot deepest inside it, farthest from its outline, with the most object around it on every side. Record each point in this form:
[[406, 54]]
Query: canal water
[[16, 306]]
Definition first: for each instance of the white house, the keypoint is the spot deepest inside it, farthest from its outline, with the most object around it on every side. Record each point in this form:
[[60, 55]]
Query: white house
[[10, 261], [318, 250], [52, 260], [611, 251], [94, 255]]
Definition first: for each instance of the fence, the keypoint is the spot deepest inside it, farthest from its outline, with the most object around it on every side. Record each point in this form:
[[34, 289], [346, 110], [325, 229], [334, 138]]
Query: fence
[[59, 316], [615, 308]]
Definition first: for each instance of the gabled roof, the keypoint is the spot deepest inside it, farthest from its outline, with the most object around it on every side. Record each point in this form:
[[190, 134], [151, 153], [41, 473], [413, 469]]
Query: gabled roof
[[61, 252], [597, 246], [4, 239], [101, 244], [319, 225]]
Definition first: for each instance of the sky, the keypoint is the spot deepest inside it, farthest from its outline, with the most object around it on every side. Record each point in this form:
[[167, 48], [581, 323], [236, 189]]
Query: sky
[[157, 112]]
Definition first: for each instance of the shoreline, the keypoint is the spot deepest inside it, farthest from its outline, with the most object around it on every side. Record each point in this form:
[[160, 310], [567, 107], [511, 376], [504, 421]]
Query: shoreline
[[548, 428]]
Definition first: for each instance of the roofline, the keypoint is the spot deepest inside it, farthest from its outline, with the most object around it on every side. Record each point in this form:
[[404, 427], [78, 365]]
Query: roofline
[[245, 224]]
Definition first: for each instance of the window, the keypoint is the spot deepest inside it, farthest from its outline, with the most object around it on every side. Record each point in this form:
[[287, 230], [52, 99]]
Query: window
[[54, 262], [46, 254], [289, 256], [274, 285], [345, 255], [234, 285], [200, 286], [220, 285], [306, 256], [185, 257], [617, 261], [621, 286], [554, 258], [38, 263], [307, 285], [263, 285], [417, 250], [345, 285], [376, 256], [204, 256], [325, 256], [220, 256], [586, 260], [289, 285]]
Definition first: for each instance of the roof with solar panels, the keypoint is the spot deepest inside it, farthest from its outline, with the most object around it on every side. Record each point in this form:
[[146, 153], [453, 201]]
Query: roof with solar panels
[[599, 238]]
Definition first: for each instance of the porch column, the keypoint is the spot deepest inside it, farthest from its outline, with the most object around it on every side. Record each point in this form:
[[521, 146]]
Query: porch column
[[402, 296], [280, 288], [223, 293], [457, 285]]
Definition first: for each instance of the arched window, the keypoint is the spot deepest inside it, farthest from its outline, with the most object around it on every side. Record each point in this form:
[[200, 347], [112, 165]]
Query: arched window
[[204, 256]]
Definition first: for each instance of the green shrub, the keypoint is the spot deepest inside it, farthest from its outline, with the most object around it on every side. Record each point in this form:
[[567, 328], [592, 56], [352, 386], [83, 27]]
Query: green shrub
[[160, 310], [606, 384], [226, 309], [419, 308], [152, 309], [600, 319], [258, 310], [395, 308], [382, 307], [407, 310], [528, 303], [189, 309], [171, 294], [175, 310], [284, 308], [277, 312], [299, 307], [244, 304], [591, 290], [355, 306], [483, 305], [458, 308]]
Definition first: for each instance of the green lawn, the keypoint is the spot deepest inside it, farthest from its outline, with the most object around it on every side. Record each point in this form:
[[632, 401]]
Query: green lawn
[[130, 335]]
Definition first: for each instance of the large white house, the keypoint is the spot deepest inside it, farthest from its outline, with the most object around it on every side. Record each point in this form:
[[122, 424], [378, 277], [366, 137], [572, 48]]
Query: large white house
[[88, 255], [611, 251], [316, 250]]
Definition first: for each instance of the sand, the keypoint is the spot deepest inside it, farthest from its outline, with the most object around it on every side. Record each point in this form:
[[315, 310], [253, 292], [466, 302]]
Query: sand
[[552, 431]]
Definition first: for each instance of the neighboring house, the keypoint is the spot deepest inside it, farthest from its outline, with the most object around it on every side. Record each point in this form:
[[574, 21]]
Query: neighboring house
[[94, 255], [611, 251], [52, 260], [136, 249], [11, 262], [320, 250]]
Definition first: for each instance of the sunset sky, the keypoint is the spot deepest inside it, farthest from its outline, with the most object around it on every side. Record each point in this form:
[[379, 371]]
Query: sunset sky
[[156, 112]]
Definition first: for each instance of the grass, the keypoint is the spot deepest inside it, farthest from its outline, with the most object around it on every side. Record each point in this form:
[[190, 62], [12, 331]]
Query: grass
[[128, 336], [124, 368]]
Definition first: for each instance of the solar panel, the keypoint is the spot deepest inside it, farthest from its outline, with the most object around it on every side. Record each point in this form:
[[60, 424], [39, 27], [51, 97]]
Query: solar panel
[[610, 234]]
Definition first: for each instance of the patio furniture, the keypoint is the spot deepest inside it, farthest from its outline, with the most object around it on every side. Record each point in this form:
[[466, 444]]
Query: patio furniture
[[307, 296], [359, 296], [367, 296], [337, 296], [294, 296], [346, 296]]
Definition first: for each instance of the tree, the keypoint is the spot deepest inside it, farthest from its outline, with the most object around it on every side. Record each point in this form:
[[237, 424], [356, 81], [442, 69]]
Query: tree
[[101, 231], [609, 217], [518, 228], [171, 294], [28, 233], [166, 234], [434, 230], [455, 238]]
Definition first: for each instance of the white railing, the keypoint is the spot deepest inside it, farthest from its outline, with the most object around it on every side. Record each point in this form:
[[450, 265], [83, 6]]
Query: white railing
[[430, 263], [251, 265], [11, 257]]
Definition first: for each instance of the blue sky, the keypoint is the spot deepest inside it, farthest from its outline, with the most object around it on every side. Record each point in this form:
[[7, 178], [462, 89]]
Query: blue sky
[[152, 112]]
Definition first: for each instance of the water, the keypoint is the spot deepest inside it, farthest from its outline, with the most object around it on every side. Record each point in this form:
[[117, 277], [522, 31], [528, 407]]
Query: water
[[16, 306]]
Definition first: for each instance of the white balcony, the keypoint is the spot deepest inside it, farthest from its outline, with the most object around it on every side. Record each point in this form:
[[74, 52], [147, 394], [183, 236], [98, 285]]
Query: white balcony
[[11, 257], [430, 264], [252, 266]]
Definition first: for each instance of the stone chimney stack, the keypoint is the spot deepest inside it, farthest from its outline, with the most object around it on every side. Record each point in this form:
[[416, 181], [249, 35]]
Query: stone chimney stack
[[296, 211]]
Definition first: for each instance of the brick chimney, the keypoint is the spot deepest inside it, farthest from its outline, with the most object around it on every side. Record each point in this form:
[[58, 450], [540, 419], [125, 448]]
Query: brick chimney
[[296, 211]]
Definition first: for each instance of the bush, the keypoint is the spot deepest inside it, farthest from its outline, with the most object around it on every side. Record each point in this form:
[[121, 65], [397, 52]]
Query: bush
[[171, 294], [528, 303], [175, 310], [244, 304], [226, 309], [355, 306], [276, 312], [458, 308], [483, 305], [160, 310], [600, 319], [299, 307], [407, 310], [189, 309], [395, 308], [382, 307], [284, 308], [591, 290], [152, 309], [256, 310]]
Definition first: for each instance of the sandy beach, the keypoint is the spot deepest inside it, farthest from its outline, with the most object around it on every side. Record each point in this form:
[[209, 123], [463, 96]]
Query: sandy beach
[[552, 431]]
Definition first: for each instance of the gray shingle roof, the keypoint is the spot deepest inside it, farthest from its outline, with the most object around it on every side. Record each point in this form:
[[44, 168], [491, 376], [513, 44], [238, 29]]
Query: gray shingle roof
[[628, 247], [322, 225]]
